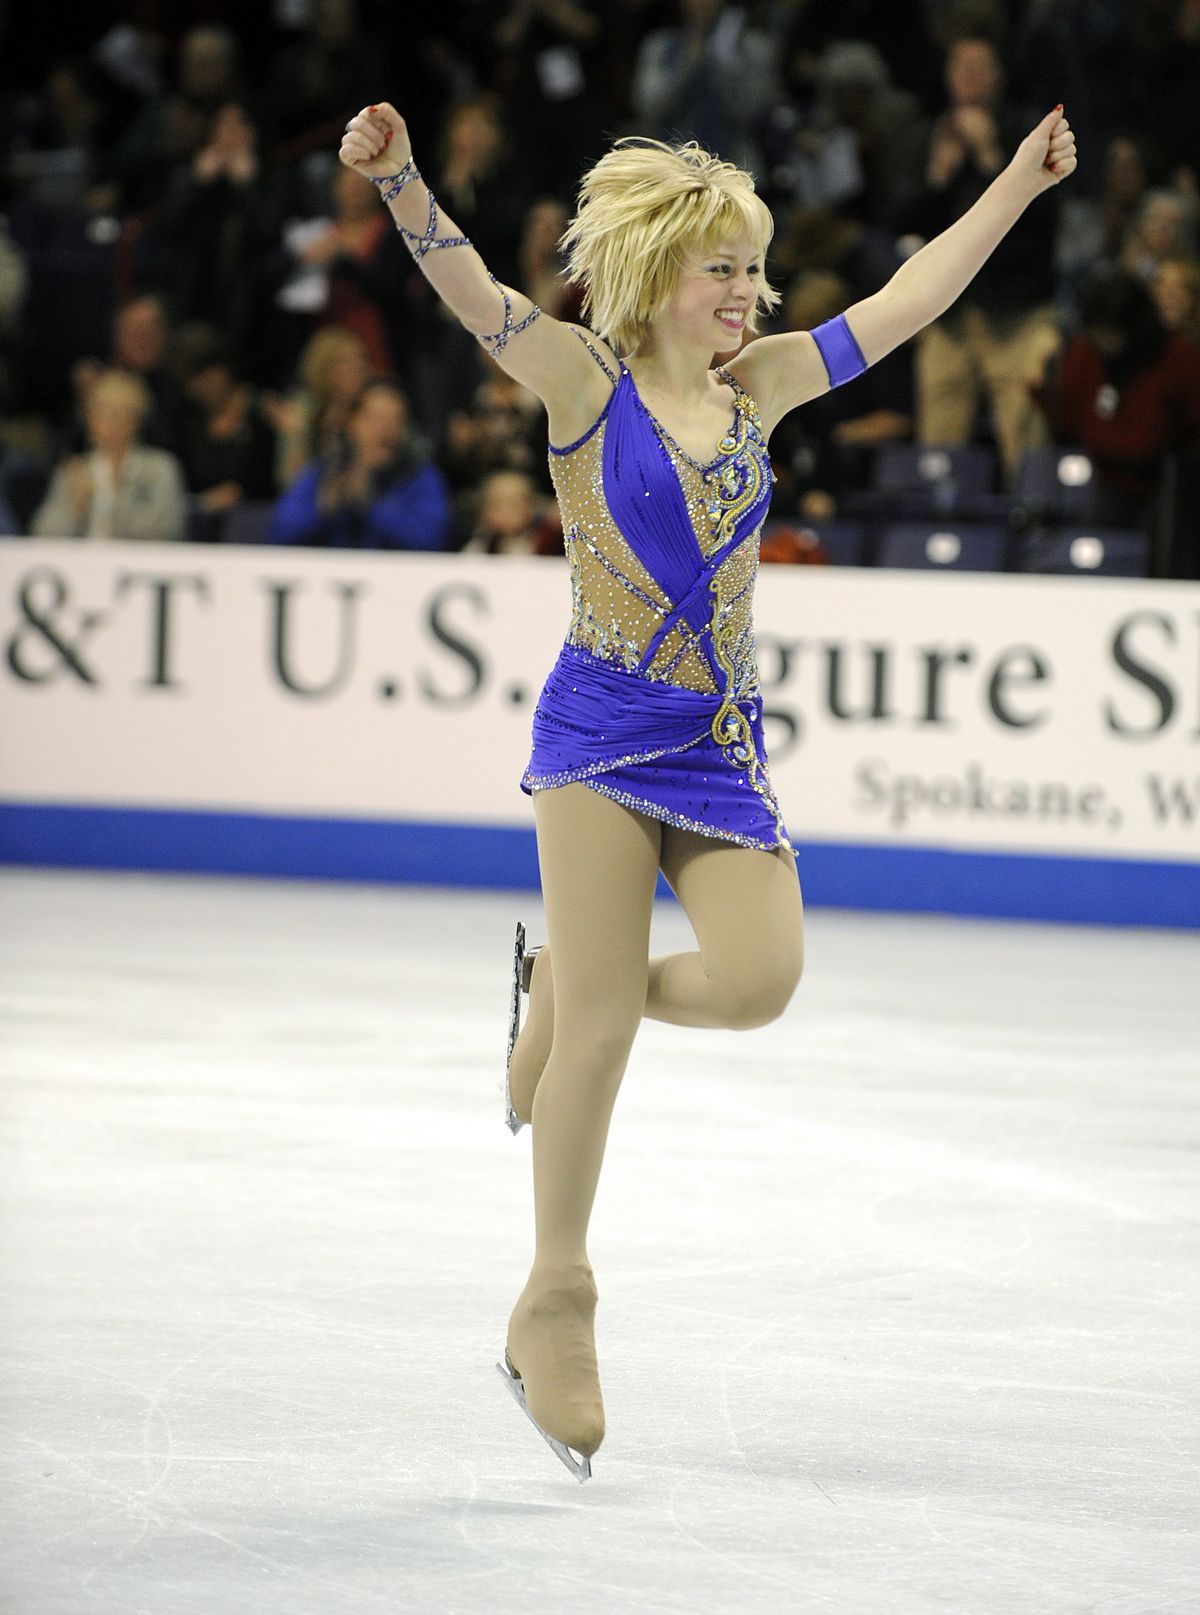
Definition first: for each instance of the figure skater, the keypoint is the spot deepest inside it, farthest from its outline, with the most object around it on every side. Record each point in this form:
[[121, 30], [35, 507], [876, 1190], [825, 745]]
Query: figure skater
[[647, 736]]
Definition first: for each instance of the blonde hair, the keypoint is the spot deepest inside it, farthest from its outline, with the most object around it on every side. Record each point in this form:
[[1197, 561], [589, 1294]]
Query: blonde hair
[[122, 387], [322, 352], [644, 208]]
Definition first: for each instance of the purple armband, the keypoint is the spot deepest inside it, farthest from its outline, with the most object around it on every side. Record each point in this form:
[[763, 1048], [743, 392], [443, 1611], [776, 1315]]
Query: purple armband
[[841, 353]]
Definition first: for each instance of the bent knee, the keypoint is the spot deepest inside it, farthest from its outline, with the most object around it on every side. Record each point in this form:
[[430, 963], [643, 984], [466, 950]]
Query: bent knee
[[758, 1002]]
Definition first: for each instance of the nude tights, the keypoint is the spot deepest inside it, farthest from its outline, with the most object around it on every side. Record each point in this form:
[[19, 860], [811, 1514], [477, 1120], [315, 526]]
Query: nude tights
[[593, 983]]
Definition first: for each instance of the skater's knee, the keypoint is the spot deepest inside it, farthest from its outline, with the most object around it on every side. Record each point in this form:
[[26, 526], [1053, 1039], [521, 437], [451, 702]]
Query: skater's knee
[[758, 1000]]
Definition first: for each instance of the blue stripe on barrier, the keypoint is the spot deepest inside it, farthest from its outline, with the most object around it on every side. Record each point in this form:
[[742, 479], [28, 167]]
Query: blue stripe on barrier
[[832, 874]]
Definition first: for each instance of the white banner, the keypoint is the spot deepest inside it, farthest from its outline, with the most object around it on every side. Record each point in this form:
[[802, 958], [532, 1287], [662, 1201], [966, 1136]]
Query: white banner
[[990, 712]]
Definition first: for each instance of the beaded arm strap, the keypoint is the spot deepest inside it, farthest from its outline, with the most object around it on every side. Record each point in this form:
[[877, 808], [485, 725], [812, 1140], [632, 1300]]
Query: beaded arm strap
[[419, 245]]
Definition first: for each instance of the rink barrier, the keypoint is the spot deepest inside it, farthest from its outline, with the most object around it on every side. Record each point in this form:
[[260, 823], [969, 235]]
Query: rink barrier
[[920, 879]]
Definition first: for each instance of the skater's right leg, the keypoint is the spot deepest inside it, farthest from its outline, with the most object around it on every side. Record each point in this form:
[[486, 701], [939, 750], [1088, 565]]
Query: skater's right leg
[[599, 868]]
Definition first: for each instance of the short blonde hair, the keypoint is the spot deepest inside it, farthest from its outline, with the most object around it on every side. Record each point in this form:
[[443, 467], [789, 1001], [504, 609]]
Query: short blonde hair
[[643, 209], [121, 387]]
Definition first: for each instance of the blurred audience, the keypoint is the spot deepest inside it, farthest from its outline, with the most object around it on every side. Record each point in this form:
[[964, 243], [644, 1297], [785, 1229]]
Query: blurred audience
[[710, 77], [141, 334], [171, 208], [309, 421], [1163, 227], [377, 490], [993, 340], [120, 488], [513, 519], [218, 216], [824, 449], [1127, 389], [558, 68], [502, 429], [1094, 227], [170, 128], [313, 81], [1176, 291], [349, 270], [543, 266], [859, 146], [227, 445], [475, 174]]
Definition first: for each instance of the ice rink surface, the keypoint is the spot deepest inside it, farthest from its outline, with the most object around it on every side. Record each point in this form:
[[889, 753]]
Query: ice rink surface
[[899, 1295]]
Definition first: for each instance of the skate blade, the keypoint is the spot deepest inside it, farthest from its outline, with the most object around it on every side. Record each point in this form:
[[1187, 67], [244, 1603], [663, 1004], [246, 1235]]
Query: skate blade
[[581, 1468], [514, 1121]]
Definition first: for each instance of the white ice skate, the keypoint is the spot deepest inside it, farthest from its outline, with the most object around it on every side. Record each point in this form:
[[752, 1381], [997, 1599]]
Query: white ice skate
[[580, 1467]]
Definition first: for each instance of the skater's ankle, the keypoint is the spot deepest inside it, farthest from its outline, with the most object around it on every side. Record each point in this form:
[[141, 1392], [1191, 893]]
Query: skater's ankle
[[559, 1271]]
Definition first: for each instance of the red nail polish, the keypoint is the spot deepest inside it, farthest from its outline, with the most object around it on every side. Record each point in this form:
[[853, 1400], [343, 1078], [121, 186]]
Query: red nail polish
[[372, 109], [1058, 108]]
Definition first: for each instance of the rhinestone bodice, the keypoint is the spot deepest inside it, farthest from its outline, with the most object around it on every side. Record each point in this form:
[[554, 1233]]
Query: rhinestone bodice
[[619, 604]]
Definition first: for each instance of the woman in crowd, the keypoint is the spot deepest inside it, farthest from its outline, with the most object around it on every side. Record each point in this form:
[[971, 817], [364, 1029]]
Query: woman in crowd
[[120, 488], [377, 490], [1127, 390], [309, 421]]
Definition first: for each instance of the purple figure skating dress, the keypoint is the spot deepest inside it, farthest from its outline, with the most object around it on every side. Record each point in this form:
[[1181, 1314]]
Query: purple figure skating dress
[[654, 699]]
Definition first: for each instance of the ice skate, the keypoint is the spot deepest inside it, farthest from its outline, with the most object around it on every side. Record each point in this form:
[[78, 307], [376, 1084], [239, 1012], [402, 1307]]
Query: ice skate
[[581, 1468], [555, 1333], [522, 976], [519, 981]]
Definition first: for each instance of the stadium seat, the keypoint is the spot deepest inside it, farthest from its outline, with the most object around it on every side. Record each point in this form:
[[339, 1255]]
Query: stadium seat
[[843, 542], [1055, 482], [1122, 552], [957, 472], [248, 523], [916, 481], [944, 546]]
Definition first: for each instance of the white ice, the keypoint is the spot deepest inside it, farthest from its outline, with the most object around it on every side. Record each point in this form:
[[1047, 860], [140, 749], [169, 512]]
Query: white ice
[[899, 1301]]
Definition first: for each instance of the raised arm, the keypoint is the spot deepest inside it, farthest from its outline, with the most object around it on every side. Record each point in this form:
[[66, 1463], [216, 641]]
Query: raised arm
[[537, 350], [787, 370]]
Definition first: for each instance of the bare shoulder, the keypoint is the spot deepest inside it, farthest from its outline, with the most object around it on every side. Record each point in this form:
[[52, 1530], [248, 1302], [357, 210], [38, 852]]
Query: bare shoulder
[[570, 369], [780, 372]]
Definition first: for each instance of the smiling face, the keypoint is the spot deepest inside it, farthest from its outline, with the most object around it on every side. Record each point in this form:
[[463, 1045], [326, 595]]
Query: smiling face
[[716, 294]]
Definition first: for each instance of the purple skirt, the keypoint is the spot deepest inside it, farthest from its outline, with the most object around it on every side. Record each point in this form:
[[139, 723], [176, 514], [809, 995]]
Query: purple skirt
[[651, 746]]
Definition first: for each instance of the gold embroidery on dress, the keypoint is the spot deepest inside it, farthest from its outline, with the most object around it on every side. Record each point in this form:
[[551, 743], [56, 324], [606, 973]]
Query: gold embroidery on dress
[[617, 606], [731, 728]]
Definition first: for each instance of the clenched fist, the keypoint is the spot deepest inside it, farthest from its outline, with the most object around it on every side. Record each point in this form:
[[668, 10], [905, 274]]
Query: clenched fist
[[376, 141], [1047, 155]]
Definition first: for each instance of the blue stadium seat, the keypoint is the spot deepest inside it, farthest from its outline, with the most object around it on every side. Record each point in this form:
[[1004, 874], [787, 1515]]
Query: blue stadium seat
[[944, 546], [844, 542], [961, 470], [916, 481], [1122, 552], [1054, 481]]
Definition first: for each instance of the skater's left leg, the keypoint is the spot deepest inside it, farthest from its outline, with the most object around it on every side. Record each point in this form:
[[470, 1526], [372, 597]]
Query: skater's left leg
[[746, 909]]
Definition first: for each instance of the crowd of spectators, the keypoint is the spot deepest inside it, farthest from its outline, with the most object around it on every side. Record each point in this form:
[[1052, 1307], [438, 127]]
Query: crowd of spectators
[[209, 329]]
